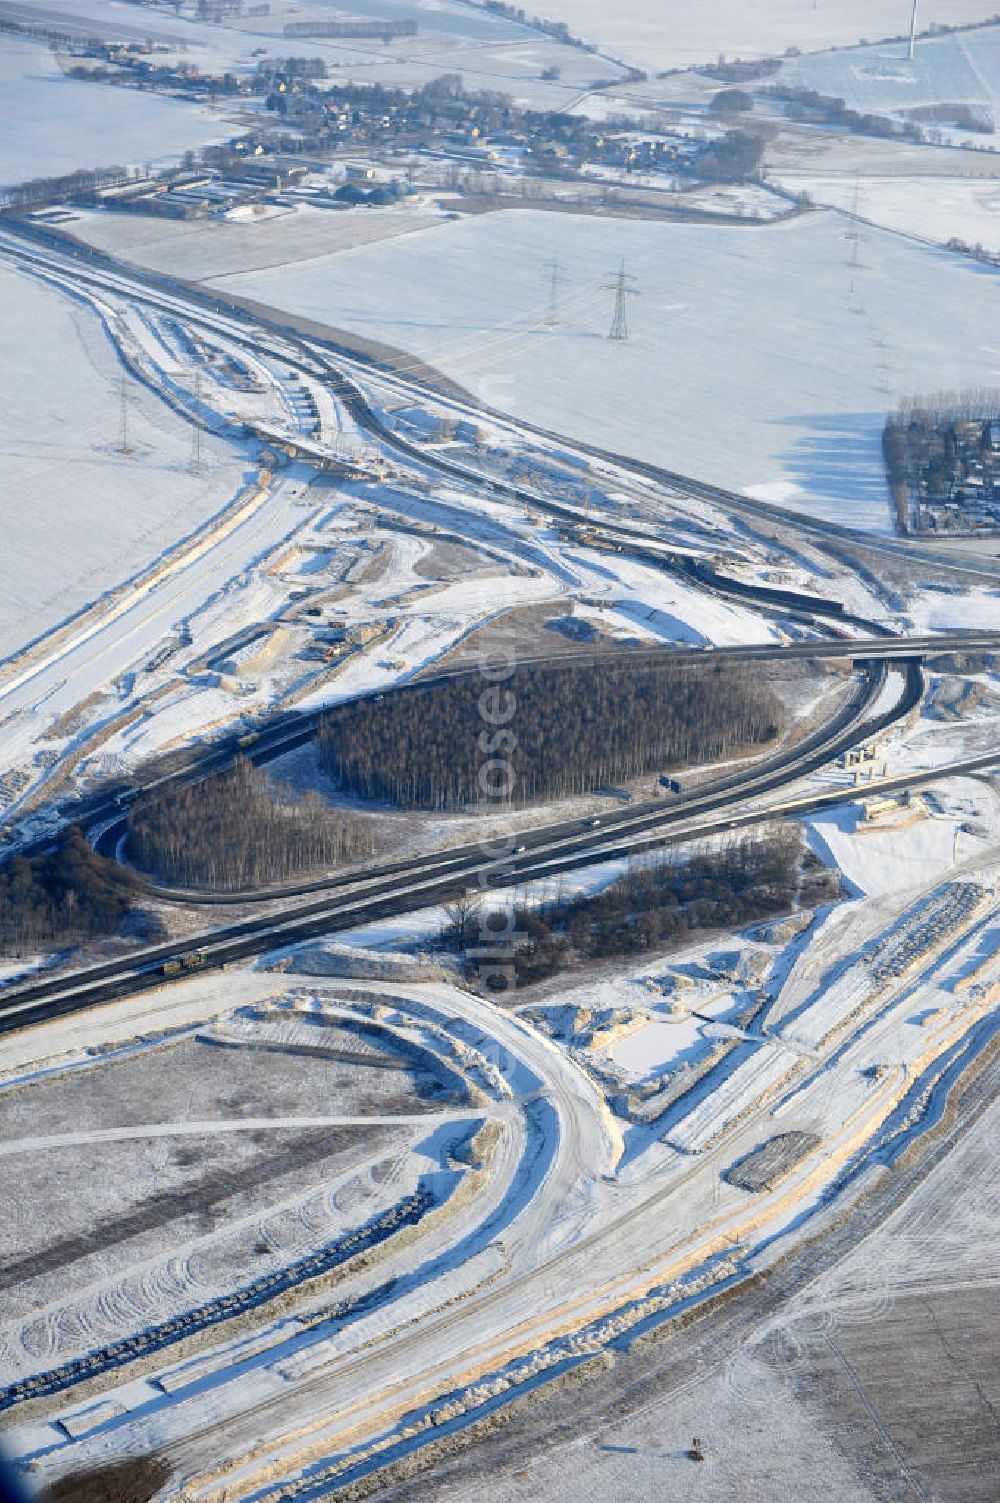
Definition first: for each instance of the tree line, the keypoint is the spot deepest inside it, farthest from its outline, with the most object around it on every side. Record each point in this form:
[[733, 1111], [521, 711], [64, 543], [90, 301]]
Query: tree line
[[65, 896], [928, 445], [569, 731], [83, 183], [807, 104], [656, 907], [241, 829]]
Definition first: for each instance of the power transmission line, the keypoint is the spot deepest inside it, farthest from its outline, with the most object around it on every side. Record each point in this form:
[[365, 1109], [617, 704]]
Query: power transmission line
[[623, 288]]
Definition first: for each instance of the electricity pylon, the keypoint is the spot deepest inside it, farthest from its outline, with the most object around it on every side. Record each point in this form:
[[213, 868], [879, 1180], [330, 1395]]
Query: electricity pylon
[[853, 233], [196, 462], [196, 456], [124, 447], [623, 289], [556, 273]]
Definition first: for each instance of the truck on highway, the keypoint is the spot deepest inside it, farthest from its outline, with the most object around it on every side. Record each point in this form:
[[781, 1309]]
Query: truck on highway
[[192, 960]]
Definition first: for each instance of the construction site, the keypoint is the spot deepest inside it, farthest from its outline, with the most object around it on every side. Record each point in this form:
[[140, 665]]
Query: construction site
[[499, 795]]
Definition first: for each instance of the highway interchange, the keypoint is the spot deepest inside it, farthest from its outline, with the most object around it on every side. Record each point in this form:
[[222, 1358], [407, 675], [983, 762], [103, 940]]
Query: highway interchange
[[502, 1319]]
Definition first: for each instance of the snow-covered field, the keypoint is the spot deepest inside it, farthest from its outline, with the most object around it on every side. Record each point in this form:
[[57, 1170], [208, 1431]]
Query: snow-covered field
[[970, 610], [759, 358], [933, 192], [50, 124], [933, 208], [651, 36], [440, 23], [79, 517], [963, 68], [490, 51], [137, 1146], [198, 249]]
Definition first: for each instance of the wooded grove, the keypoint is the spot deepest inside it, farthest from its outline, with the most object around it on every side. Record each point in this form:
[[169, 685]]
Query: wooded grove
[[564, 731], [63, 897], [241, 829], [654, 907]]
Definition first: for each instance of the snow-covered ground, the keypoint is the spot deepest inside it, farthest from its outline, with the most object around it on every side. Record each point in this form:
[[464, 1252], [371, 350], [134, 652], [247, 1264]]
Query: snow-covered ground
[[489, 50], [959, 822], [810, 149], [759, 358], [51, 124], [221, 1089], [198, 249], [437, 19], [79, 517], [649, 36], [670, 1199], [963, 68], [878, 859], [150, 670], [748, 200], [953, 610], [933, 208], [935, 193]]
